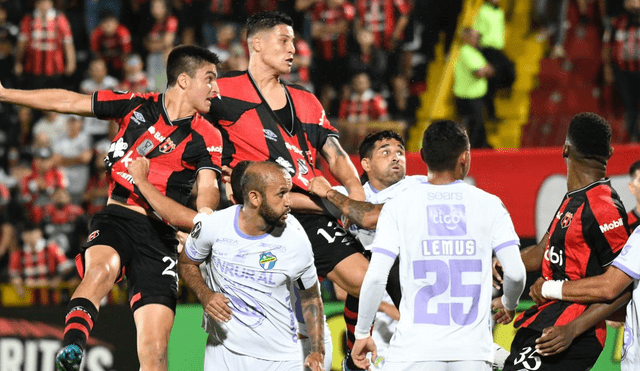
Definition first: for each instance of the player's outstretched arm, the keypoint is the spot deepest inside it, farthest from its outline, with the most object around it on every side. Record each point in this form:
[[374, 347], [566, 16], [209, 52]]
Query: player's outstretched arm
[[557, 339], [214, 304], [313, 311], [604, 287], [58, 100], [342, 168]]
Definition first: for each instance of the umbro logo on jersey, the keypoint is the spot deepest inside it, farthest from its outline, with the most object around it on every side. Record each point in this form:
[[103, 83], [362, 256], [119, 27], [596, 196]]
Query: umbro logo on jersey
[[167, 146], [270, 135], [613, 225], [137, 117], [566, 220]]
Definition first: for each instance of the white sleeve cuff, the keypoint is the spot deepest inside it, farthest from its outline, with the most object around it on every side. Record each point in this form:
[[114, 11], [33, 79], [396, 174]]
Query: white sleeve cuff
[[361, 335]]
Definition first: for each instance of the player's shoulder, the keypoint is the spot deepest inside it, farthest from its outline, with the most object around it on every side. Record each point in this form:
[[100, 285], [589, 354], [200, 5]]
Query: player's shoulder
[[293, 227]]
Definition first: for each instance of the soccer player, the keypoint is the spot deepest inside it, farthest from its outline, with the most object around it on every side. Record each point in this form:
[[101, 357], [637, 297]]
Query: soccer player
[[445, 269], [127, 237], [634, 189], [262, 118], [254, 255], [587, 233]]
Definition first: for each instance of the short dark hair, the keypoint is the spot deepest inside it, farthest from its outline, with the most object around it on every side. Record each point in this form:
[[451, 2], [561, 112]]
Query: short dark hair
[[266, 20], [590, 134], [634, 167], [236, 180], [106, 14], [255, 178], [187, 58], [442, 144], [366, 147]]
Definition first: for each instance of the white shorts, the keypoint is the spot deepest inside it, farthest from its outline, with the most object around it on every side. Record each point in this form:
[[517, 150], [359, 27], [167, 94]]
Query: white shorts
[[218, 358], [438, 366]]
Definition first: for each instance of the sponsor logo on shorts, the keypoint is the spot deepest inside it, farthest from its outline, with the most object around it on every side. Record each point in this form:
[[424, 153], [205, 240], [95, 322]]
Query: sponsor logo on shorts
[[267, 260], [195, 232], [93, 235]]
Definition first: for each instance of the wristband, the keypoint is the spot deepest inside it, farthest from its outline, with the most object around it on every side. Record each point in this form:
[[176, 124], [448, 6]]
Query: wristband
[[552, 290]]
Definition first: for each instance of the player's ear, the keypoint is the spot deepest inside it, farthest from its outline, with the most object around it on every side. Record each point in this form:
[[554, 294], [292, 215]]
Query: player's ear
[[610, 152], [366, 165], [255, 198], [183, 80], [256, 43]]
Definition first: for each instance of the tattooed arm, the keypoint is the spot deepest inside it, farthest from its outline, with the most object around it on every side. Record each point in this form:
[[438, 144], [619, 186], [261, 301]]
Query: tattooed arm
[[363, 214], [342, 168], [312, 311]]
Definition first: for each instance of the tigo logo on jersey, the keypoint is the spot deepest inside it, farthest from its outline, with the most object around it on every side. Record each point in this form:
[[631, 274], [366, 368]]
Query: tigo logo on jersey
[[447, 220], [93, 235], [267, 260], [137, 117], [268, 134], [566, 220], [167, 146], [613, 225]]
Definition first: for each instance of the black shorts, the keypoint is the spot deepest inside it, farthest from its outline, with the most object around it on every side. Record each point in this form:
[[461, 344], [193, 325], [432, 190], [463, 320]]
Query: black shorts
[[331, 244], [148, 254], [581, 355]]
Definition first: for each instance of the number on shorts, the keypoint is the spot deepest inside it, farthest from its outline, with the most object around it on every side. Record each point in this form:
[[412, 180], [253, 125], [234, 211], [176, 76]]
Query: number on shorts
[[526, 356], [328, 237], [168, 271], [447, 277]]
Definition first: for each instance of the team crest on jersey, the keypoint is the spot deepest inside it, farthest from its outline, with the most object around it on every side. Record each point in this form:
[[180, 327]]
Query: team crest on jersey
[[93, 235], [566, 220], [137, 117], [167, 146], [267, 260], [302, 167], [270, 135]]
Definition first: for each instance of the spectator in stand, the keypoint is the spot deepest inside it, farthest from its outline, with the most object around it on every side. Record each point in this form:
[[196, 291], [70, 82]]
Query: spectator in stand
[[37, 187], [370, 58], [45, 50], [97, 192], [159, 41], [111, 41], [49, 129], [226, 34], [490, 25], [388, 19], [364, 105], [217, 12], [135, 80], [9, 138], [238, 59], [64, 223], [8, 241], [621, 54], [300, 74], [436, 17], [470, 87], [634, 189], [72, 154], [8, 38], [331, 21], [95, 9], [98, 80], [38, 263]]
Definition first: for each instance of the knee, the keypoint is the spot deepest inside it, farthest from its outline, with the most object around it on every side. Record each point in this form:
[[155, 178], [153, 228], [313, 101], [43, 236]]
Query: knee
[[152, 353], [102, 272]]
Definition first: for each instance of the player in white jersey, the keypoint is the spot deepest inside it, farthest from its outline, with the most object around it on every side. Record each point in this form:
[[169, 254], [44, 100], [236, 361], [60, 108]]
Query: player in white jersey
[[254, 253], [445, 265]]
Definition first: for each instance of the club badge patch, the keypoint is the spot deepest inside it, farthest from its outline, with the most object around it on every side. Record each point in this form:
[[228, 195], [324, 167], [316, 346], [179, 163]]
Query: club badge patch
[[268, 260], [167, 146], [566, 220], [93, 235]]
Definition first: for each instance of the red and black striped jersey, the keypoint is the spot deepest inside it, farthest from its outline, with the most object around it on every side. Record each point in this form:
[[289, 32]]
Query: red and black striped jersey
[[381, 17], [252, 131], [624, 42], [634, 219], [173, 164], [45, 37], [588, 231]]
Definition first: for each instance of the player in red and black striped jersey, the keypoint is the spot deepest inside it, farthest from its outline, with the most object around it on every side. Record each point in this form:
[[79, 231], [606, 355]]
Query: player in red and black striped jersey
[[587, 232], [180, 148], [634, 189]]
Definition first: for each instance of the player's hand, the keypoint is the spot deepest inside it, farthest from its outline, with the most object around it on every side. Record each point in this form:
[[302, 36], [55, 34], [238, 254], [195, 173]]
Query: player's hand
[[554, 340], [314, 361], [216, 305], [359, 352], [182, 240], [139, 169], [205, 210], [536, 292], [226, 174], [496, 269], [319, 186], [502, 315]]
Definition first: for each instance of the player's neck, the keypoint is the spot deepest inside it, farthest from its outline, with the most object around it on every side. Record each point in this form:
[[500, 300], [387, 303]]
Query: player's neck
[[442, 177], [265, 77], [176, 105], [582, 172], [251, 223]]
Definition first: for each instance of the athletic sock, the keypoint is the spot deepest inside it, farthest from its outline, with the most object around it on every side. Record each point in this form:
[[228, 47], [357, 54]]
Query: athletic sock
[[81, 315], [351, 318]]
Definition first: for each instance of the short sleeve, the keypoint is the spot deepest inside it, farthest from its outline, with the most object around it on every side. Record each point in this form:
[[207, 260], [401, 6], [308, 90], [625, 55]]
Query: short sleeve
[[198, 245], [503, 233], [404, 6], [65, 29], [607, 229], [107, 104], [628, 260], [472, 59], [387, 237], [208, 155], [25, 28]]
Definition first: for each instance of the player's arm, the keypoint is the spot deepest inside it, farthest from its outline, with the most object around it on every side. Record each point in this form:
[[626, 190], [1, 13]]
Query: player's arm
[[302, 203], [58, 100], [604, 287], [532, 256], [361, 213], [342, 168], [312, 311], [514, 280], [207, 187]]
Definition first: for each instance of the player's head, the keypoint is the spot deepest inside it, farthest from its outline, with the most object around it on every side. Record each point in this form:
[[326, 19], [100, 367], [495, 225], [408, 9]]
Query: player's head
[[634, 183], [445, 147], [108, 22], [193, 69], [382, 156], [470, 36], [270, 39], [589, 138], [236, 181], [265, 187]]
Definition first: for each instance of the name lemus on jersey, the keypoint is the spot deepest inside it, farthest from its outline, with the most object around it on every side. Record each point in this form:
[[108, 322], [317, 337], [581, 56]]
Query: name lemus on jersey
[[240, 272], [448, 247]]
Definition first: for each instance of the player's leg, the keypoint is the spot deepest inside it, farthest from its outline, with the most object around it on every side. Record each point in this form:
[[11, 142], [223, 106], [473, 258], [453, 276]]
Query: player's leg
[[153, 325]]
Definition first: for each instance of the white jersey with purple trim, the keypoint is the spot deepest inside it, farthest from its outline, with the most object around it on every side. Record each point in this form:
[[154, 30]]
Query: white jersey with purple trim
[[445, 236], [628, 261], [256, 274]]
